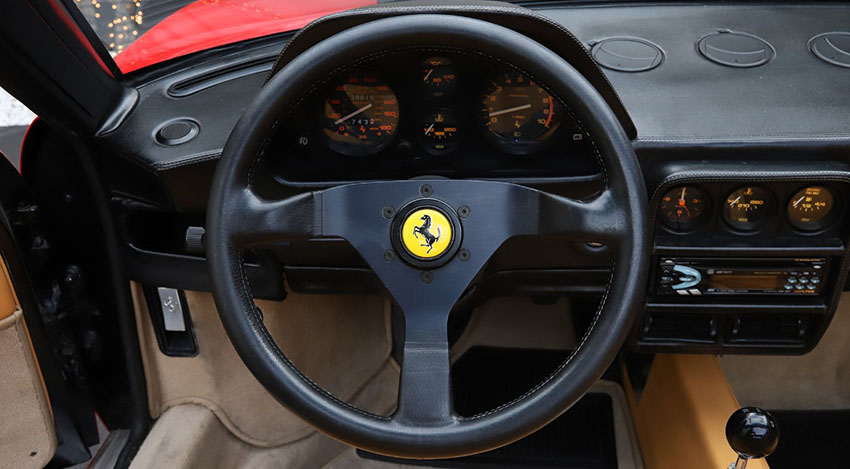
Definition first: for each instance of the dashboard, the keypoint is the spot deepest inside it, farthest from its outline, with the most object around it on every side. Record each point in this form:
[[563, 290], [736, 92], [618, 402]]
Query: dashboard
[[407, 115], [747, 168]]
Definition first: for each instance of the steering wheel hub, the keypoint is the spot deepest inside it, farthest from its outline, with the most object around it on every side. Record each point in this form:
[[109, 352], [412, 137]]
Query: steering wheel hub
[[426, 233]]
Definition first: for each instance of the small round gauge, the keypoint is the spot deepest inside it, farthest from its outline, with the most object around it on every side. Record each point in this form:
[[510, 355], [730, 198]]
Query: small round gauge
[[748, 208], [810, 209], [360, 114], [517, 113], [439, 75], [439, 132], [682, 208]]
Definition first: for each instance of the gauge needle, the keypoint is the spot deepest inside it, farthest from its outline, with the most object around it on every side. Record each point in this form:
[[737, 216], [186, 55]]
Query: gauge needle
[[798, 200], [429, 129], [345, 118], [505, 111], [428, 74], [732, 204]]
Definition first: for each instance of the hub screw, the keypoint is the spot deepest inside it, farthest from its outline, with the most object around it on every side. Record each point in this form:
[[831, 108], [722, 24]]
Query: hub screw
[[426, 276], [389, 255], [463, 255], [426, 190], [388, 212], [463, 211]]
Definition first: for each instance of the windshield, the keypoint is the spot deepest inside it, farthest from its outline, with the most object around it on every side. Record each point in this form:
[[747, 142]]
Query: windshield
[[140, 33]]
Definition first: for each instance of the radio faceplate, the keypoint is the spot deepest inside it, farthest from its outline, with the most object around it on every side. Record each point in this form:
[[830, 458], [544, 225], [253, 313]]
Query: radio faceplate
[[741, 276]]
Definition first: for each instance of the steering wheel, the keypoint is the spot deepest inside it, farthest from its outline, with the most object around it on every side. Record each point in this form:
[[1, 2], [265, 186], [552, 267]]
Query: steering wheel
[[472, 218]]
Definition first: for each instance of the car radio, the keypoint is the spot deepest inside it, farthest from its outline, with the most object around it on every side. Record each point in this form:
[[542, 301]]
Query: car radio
[[741, 276]]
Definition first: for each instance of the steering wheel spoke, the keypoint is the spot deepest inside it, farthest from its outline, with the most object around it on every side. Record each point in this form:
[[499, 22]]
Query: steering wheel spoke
[[425, 390], [598, 220], [262, 221]]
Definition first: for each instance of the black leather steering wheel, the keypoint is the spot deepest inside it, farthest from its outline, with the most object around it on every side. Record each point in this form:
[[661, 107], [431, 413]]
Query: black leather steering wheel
[[483, 214]]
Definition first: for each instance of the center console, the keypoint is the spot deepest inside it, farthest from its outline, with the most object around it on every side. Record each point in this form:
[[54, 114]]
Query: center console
[[745, 263]]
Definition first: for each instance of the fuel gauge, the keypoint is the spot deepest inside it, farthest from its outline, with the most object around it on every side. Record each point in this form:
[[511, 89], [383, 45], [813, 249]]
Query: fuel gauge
[[439, 132]]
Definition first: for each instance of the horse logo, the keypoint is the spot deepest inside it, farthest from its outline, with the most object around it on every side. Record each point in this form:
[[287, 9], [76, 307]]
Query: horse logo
[[425, 230]]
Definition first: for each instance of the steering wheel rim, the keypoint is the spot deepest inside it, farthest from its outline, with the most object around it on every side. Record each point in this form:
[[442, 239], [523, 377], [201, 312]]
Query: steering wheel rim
[[238, 218]]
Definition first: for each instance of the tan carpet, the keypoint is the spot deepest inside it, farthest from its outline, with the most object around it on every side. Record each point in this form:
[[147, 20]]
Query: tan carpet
[[340, 341], [817, 380]]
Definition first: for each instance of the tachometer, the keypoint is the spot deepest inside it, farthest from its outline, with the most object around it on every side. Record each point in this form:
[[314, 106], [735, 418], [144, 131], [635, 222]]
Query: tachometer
[[517, 113], [360, 114]]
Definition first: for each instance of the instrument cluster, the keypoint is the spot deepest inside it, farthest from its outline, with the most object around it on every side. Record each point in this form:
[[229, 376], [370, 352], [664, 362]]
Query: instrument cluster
[[751, 208], [435, 115]]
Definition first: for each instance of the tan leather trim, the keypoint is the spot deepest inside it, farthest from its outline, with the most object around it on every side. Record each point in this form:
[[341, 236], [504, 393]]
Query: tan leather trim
[[8, 306], [8, 300], [681, 416]]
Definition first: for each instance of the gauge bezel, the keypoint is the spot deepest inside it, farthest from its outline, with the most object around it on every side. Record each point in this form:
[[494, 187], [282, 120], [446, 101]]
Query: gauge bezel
[[425, 143], [522, 147], [348, 149], [440, 93], [770, 211], [694, 225], [824, 222]]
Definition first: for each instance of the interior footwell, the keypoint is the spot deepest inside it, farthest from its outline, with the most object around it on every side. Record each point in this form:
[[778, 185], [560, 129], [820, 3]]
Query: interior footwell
[[811, 439]]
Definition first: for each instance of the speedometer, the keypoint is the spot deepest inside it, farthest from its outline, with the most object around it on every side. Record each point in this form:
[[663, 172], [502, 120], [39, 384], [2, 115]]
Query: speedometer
[[360, 114], [517, 113]]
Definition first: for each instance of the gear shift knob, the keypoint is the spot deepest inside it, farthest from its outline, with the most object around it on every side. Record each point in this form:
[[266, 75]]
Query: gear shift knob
[[753, 434]]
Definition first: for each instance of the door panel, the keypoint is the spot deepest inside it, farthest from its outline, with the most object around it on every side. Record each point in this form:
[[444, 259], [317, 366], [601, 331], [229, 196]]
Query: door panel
[[27, 435]]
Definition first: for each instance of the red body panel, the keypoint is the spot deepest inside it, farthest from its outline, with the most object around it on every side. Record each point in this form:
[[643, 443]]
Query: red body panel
[[210, 23]]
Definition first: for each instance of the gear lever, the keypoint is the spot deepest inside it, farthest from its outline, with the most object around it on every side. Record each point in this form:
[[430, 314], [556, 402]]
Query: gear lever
[[753, 434]]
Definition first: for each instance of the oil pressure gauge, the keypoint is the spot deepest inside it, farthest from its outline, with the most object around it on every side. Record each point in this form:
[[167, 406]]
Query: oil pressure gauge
[[748, 208], [811, 208]]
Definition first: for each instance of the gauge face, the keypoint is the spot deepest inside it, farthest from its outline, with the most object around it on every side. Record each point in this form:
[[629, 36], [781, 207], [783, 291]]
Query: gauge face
[[748, 208], [438, 75], [439, 132], [810, 208], [360, 114], [682, 208], [517, 113]]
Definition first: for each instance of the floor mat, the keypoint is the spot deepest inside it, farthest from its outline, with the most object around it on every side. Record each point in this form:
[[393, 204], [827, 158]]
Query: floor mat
[[486, 377], [814, 439]]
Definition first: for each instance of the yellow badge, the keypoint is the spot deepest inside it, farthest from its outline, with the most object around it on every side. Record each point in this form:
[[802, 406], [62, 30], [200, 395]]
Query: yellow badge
[[426, 233]]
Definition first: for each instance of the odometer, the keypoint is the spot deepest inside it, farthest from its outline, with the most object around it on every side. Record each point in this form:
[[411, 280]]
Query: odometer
[[360, 114], [517, 113]]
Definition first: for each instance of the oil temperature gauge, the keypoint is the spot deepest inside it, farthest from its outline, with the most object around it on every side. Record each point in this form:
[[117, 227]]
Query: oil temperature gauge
[[439, 132], [748, 208], [682, 208]]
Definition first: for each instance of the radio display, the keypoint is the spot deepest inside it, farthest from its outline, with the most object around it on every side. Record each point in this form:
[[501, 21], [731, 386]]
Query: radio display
[[746, 282]]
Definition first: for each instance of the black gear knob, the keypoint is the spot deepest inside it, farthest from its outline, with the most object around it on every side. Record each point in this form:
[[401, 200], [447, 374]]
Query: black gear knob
[[752, 432]]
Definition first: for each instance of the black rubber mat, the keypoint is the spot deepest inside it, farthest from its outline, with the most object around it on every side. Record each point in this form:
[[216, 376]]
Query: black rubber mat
[[485, 377], [812, 439]]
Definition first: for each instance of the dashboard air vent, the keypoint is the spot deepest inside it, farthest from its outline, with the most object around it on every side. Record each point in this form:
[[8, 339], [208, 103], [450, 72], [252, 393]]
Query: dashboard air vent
[[734, 49], [627, 54], [832, 48]]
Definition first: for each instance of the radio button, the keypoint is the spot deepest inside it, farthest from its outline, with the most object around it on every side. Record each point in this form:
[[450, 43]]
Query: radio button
[[666, 280], [815, 280], [792, 280], [789, 286], [804, 280]]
